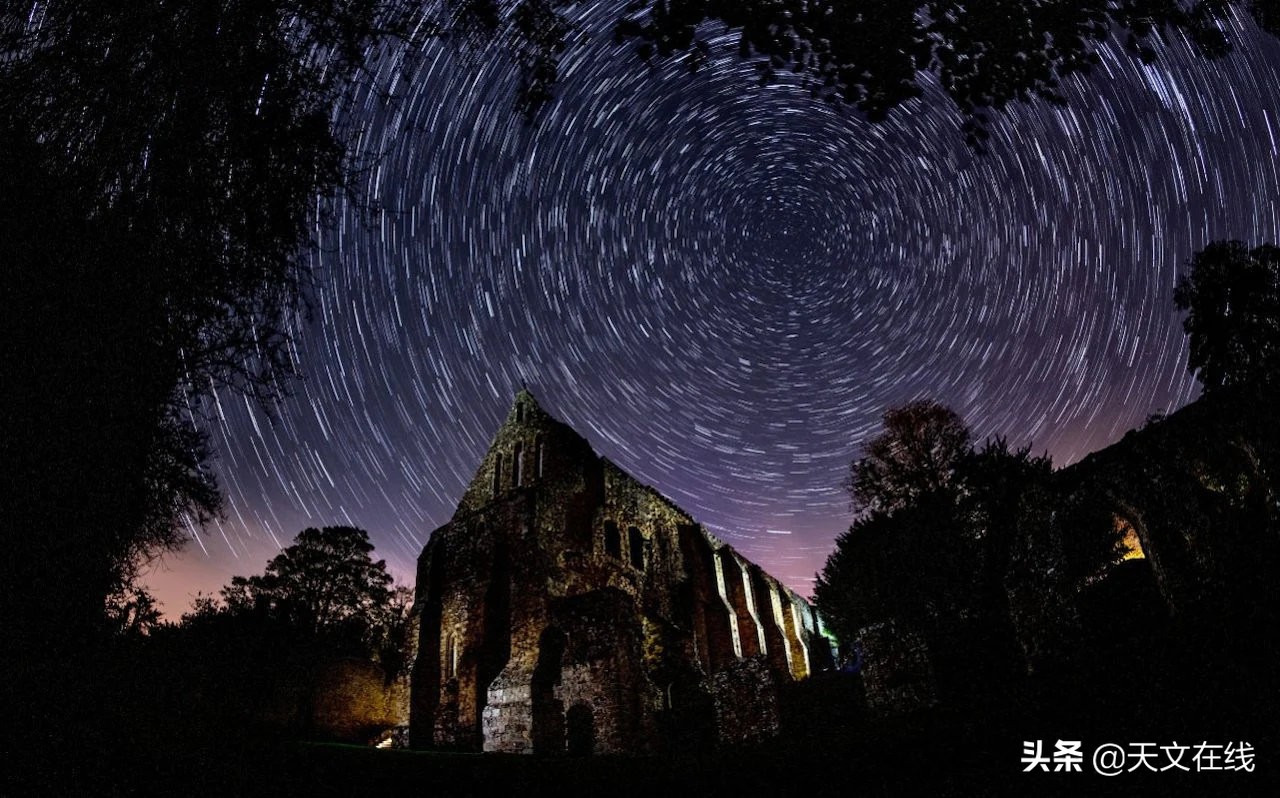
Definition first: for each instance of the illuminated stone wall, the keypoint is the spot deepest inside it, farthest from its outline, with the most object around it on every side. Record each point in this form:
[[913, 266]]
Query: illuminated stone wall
[[568, 608], [354, 700]]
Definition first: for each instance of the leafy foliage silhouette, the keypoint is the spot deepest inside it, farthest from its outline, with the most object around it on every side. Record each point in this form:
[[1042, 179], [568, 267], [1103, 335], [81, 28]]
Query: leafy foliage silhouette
[[1232, 298], [932, 543], [916, 456], [873, 54], [324, 584], [165, 167]]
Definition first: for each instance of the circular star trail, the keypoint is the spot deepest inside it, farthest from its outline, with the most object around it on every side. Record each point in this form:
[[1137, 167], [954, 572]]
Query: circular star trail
[[723, 285]]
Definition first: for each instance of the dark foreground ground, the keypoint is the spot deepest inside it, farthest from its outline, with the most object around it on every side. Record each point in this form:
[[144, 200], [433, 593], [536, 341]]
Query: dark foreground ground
[[940, 760], [109, 728], [935, 753]]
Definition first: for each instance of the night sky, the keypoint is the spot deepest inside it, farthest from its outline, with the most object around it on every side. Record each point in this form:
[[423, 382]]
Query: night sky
[[723, 285]]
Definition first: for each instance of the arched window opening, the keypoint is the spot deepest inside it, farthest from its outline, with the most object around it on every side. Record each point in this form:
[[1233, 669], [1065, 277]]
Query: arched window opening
[[517, 466], [635, 541], [1130, 545], [520, 412], [612, 540], [540, 451], [497, 474]]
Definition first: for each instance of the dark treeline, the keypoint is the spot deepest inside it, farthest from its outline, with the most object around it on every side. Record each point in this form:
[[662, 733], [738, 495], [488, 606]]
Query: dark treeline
[[1134, 587], [316, 647], [162, 164], [161, 167]]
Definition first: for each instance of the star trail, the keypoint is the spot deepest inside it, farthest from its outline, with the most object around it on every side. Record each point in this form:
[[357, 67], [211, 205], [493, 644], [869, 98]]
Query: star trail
[[723, 285]]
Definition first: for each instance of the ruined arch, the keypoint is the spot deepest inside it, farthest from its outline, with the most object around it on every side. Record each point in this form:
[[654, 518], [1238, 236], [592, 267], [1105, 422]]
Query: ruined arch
[[494, 649], [425, 683], [580, 729], [548, 716]]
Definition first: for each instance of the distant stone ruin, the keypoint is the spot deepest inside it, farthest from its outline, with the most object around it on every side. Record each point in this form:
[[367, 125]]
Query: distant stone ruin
[[568, 609]]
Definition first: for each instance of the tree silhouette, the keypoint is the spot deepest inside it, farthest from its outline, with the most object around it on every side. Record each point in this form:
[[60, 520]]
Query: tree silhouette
[[871, 54], [163, 164], [908, 556], [132, 611], [915, 456], [1000, 486], [996, 482], [867, 576], [267, 655], [324, 584], [918, 566], [164, 168], [1232, 298], [933, 543]]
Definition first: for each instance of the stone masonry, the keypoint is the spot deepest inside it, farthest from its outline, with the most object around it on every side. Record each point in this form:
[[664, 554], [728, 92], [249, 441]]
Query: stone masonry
[[567, 608]]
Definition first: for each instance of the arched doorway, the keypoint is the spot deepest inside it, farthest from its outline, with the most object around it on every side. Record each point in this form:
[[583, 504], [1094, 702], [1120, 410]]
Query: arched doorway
[[580, 730], [548, 730]]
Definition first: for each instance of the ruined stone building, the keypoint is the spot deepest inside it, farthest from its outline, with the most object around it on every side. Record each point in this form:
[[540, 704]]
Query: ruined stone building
[[566, 607], [1175, 527]]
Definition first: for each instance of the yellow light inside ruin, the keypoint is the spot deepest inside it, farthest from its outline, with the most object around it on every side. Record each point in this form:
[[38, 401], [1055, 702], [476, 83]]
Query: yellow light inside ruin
[[1130, 545]]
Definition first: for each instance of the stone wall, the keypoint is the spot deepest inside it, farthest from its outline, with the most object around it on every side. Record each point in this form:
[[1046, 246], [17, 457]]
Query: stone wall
[[746, 702], [568, 608], [356, 702]]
